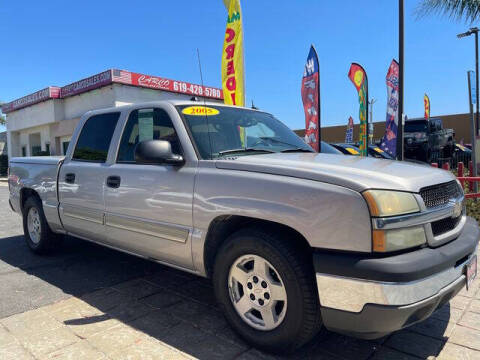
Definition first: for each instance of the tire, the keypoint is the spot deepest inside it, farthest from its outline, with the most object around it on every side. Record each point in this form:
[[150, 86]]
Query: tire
[[296, 320], [38, 235]]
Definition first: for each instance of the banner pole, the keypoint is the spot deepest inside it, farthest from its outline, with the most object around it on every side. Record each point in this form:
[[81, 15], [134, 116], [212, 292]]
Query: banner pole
[[400, 79], [367, 132], [319, 130]]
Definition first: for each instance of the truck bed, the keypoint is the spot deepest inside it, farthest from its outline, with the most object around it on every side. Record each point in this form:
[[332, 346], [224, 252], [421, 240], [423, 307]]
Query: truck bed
[[38, 173]]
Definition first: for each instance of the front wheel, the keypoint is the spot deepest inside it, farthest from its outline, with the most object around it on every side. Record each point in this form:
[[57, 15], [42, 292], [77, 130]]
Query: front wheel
[[266, 287], [40, 239]]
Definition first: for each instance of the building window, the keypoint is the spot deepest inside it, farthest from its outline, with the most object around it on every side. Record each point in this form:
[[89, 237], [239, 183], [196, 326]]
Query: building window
[[65, 147], [36, 150], [24, 151]]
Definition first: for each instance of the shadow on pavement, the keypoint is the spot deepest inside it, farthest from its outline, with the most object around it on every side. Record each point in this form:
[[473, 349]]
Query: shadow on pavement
[[178, 308]]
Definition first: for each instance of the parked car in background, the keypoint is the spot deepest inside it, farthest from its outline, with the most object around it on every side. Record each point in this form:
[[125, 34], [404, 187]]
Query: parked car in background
[[329, 149], [293, 241], [375, 151], [461, 154], [424, 139], [347, 149], [353, 149]]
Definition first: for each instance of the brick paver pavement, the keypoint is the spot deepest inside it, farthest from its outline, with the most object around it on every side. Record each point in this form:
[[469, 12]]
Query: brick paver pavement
[[168, 314]]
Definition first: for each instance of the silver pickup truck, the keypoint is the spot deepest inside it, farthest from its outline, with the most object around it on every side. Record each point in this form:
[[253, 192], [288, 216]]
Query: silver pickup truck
[[294, 241]]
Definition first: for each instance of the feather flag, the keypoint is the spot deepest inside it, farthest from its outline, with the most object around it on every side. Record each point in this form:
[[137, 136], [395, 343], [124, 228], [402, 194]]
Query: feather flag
[[358, 76], [233, 77], [311, 100]]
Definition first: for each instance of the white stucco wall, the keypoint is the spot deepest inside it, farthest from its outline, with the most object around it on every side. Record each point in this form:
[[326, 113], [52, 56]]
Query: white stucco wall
[[126, 95], [76, 106], [17, 139], [39, 114]]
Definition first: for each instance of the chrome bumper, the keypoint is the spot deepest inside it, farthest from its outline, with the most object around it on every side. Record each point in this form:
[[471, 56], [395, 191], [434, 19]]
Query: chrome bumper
[[352, 295]]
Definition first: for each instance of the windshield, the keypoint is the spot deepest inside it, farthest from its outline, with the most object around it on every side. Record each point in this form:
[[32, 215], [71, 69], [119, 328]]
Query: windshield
[[237, 131], [415, 126]]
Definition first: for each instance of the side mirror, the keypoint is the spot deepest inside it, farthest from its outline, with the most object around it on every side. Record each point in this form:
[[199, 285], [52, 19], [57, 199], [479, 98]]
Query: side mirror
[[156, 152]]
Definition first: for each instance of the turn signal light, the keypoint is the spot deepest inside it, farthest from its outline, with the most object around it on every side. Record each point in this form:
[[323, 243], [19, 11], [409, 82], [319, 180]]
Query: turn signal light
[[379, 244]]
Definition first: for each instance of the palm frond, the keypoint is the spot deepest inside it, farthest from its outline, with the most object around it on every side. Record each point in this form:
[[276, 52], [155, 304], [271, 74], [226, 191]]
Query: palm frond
[[457, 9]]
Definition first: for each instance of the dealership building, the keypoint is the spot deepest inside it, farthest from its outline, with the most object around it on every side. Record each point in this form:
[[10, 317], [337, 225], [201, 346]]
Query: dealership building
[[43, 122]]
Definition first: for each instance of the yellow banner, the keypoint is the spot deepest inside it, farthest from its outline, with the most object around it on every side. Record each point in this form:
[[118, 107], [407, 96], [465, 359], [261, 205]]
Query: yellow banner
[[233, 78], [426, 102]]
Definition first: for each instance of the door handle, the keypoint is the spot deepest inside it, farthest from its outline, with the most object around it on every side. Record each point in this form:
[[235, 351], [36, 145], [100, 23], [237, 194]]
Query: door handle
[[113, 181], [70, 178]]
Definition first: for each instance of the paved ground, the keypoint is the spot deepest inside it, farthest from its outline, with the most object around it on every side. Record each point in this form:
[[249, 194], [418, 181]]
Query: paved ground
[[88, 302]]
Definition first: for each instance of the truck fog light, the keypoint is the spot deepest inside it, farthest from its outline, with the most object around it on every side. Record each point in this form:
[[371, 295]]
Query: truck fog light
[[398, 239]]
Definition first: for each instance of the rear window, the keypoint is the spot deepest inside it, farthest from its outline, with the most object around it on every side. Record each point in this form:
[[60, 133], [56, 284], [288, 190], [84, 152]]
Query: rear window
[[95, 137]]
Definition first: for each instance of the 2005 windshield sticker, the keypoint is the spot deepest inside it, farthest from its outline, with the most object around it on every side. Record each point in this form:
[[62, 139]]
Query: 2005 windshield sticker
[[200, 111]]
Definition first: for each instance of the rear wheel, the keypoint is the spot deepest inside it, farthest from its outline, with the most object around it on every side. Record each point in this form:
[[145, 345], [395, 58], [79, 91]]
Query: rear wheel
[[267, 290], [38, 235]]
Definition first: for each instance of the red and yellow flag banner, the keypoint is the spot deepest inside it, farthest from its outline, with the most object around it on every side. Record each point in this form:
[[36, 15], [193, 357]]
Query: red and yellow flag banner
[[358, 76], [426, 102], [233, 77]]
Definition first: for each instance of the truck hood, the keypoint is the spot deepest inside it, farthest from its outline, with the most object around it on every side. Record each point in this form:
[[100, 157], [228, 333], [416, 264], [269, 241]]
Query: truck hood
[[354, 172]]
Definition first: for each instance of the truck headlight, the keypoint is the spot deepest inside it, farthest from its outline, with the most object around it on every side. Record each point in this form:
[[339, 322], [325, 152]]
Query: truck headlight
[[398, 239], [384, 203], [390, 203]]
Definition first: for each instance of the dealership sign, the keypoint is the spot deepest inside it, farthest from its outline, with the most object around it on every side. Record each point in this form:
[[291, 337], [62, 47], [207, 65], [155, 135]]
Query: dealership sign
[[51, 92], [87, 84], [159, 83], [109, 77]]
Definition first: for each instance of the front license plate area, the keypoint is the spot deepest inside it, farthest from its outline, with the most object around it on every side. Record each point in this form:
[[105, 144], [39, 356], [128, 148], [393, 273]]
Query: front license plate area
[[471, 270]]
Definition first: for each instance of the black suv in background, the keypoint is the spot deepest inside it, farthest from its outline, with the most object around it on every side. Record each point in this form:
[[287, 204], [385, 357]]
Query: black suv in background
[[425, 138]]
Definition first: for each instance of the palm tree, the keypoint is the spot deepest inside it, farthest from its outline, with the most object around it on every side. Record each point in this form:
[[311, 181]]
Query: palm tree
[[457, 9]]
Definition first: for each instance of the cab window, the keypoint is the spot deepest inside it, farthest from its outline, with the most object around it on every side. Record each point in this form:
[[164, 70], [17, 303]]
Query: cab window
[[143, 125], [95, 137]]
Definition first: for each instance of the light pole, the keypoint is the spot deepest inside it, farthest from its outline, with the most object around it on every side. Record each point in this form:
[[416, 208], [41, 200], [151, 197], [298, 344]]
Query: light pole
[[474, 31], [401, 5]]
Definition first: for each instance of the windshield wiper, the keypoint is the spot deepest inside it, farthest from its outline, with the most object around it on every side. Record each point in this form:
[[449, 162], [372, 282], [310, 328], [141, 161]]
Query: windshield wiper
[[296, 150], [240, 150]]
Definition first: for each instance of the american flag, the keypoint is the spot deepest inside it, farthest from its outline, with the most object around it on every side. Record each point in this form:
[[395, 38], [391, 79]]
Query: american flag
[[122, 76]]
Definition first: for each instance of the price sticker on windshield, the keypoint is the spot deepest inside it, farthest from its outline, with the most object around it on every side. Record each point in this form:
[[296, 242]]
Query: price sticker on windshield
[[352, 151], [378, 150], [200, 111]]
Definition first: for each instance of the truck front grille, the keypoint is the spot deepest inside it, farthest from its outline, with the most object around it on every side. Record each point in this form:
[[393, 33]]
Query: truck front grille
[[442, 226], [440, 194]]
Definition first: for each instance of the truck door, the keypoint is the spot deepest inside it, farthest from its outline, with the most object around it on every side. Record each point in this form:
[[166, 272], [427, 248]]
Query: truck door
[[82, 178], [149, 207]]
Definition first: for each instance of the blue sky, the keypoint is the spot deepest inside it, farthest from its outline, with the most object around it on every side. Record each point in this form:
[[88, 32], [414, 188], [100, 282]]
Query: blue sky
[[58, 42]]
